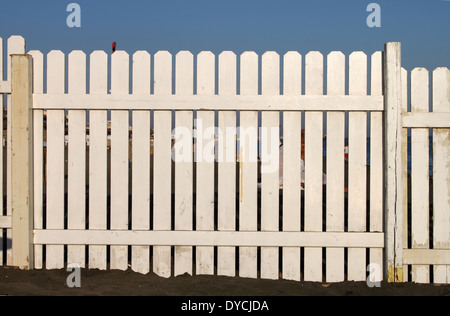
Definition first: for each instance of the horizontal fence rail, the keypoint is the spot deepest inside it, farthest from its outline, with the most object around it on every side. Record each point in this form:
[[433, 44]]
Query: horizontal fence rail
[[207, 238], [218, 102]]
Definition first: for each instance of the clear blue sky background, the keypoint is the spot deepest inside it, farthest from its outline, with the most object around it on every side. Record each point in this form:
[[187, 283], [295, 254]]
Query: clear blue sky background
[[423, 26]]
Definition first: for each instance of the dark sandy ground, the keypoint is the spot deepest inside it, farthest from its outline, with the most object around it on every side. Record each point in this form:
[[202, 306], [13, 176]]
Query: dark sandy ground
[[14, 282]]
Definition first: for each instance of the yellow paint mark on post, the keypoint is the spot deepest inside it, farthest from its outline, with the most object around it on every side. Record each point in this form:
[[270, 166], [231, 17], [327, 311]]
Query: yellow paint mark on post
[[395, 274]]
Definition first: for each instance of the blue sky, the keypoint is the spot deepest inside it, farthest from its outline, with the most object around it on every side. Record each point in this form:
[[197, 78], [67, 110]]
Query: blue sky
[[423, 26]]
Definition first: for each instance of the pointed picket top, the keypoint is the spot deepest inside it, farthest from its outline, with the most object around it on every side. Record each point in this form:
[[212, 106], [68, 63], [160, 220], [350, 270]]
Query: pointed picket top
[[270, 72], [120, 72], [98, 72], [163, 53], [419, 69], [314, 73], [419, 89], [184, 53], [78, 58], [249, 56], [77, 72], [141, 72], [77, 52], [358, 73], [292, 68], [443, 69], [271, 58], [142, 57], [98, 53], [292, 54], [227, 56], [336, 57], [206, 73], [55, 71], [314, 55], [163, 72], [206, 52], [377, 55], [56, 55], [184, 72], [38, 70], [376, 64], [249, 73], [441, 89], [227, 73], [336, 73], [15, 45]]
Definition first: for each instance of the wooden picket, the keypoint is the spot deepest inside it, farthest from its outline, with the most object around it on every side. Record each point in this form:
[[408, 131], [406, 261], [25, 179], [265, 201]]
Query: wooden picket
[[376, 164], [419, 173], [292, 126], [76, 169], [357, 184], [162, 164], [140, 261], [441, 174], [270, 139], [210, 197], [98, 158], [313, 166], [38, 154], [119, 158], [226, 190], [204, 157], [183, 158], [55, 159], [335, 167], [248, 167]]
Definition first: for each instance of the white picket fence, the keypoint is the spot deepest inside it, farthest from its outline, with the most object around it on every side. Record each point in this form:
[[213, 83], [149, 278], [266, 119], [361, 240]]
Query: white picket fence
[[159, 187]]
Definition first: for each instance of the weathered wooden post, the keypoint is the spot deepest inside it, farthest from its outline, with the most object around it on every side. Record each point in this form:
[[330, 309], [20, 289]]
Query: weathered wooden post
[[393, 185], [21, 161]]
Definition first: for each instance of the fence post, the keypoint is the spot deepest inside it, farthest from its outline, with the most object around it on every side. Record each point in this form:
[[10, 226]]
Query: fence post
[[393, 186], [22, 161]]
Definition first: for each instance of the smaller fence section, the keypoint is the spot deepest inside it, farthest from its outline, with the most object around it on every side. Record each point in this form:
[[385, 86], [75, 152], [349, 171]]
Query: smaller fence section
[[426, 176]]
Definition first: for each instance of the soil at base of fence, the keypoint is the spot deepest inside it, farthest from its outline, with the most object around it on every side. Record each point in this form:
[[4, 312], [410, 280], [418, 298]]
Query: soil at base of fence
[[15, 282]]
